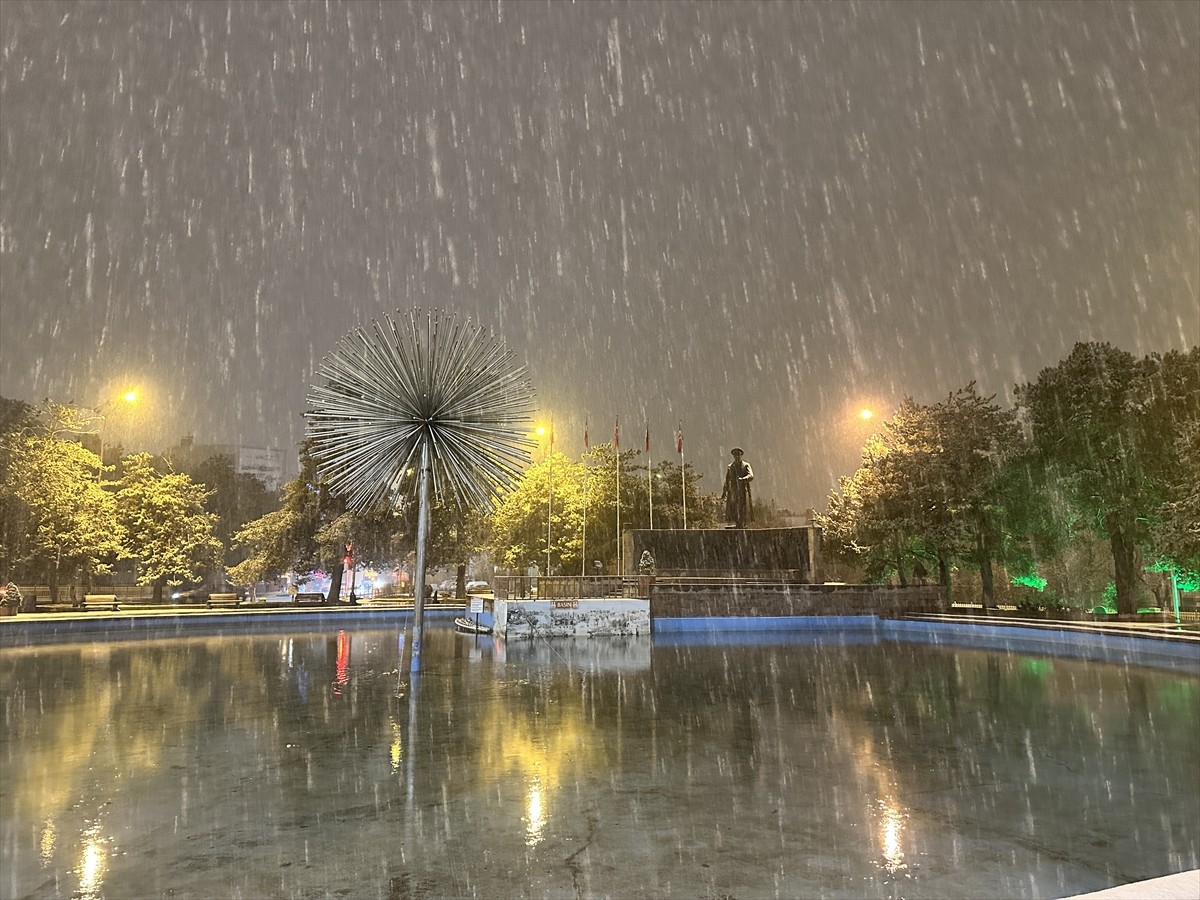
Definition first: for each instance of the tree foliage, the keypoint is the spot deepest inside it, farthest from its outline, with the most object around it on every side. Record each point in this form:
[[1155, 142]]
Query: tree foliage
[[930, 488], [58, 521], [235, 498], [166, 526], [583, 514], [1109, 425], [310, 531]]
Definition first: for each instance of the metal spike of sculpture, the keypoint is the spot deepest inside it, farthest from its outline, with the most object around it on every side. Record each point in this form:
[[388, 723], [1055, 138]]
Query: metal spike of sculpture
[[423, 395]]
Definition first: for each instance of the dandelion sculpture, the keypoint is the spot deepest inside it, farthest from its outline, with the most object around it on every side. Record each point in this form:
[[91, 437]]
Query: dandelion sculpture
[[421, 394]]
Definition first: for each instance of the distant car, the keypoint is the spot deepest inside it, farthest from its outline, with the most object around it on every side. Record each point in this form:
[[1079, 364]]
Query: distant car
[[478, 587]]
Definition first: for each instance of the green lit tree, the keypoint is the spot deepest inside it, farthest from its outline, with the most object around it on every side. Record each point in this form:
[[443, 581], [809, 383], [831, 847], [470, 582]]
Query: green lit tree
[[166, 526], [1175, 537], [1108, 426]]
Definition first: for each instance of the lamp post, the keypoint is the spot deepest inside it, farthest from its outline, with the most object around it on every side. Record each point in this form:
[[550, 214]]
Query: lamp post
[[548, 458]]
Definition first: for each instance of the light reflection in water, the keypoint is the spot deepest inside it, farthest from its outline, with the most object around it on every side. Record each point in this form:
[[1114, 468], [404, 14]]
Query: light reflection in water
[[342, 677], [397, 748], [93, 864], [890, 833], [49, 839], [535, 828]]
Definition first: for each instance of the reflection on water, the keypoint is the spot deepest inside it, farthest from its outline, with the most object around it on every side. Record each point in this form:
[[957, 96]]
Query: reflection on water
[[46, 844], [303, 765], [890, 832], [535, 817], [92, 864]]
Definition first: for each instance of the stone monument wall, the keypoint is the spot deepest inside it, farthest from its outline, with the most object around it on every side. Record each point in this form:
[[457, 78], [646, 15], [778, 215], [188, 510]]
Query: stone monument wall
[[784, 554]]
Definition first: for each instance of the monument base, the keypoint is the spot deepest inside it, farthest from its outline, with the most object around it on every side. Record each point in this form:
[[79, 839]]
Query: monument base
[[565, 618], [786, 554]]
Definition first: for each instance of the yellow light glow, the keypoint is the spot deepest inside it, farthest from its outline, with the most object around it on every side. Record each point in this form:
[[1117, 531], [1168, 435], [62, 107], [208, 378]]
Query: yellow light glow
[[890, 833], [865, 414], [93, 865], [396, 751], [541, 431], [48, 842], [130, 396], [535, 827]]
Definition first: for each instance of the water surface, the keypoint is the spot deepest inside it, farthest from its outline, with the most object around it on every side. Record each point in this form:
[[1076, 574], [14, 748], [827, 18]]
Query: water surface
[[313, 765]]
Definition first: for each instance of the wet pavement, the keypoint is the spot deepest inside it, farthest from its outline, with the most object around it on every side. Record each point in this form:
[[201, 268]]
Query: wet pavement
[[309, 763]]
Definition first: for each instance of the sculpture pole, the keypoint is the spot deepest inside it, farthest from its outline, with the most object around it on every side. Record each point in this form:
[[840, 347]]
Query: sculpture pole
[[422, 541]]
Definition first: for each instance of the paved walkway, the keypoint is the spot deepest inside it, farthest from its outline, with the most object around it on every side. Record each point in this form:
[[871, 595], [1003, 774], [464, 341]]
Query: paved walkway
[[1181, 886]]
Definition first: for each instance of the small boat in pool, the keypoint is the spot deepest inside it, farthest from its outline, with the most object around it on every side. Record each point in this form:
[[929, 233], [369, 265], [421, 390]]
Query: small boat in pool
[[470, 626]]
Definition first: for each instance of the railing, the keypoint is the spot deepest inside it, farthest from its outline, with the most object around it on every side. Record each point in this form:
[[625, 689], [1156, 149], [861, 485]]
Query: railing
[[553, 587], [575, 587]]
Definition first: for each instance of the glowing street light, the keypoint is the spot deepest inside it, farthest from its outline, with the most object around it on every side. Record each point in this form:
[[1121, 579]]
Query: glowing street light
[[865, 414], [105, 409]]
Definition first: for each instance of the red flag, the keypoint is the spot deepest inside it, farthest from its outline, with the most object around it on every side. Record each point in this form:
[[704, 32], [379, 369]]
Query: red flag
[[617, 435], [679, 439], [586, 445], [647, 438]]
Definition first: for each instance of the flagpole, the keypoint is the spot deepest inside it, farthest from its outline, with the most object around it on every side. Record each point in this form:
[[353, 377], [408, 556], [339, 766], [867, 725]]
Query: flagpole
[[649, 477], [550, 492], [617, 452], [682, 471], [587, 498]]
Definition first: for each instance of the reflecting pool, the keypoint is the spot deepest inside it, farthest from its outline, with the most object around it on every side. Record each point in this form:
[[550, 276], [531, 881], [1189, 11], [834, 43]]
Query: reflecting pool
[[313, 765]]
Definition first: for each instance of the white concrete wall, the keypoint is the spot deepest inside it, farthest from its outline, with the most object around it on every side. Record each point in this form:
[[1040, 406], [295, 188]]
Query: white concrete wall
[[562, 618]]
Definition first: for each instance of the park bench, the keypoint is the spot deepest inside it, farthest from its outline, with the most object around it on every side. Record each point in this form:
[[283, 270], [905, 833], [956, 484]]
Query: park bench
[[100, 601], [224, 600], [303, 599]]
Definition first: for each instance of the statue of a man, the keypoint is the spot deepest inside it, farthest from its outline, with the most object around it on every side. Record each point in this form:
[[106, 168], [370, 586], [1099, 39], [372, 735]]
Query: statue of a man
[[736, 494]]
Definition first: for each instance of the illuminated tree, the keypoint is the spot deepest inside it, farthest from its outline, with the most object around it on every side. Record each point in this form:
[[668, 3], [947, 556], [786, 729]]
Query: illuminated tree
[[1107, 425], [166, 527], [930, 486], [58, 521], [1176, 535], [517, 535]]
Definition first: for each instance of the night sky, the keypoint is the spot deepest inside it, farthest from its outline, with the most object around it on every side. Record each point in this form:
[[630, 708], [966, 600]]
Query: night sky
[[752, 217]]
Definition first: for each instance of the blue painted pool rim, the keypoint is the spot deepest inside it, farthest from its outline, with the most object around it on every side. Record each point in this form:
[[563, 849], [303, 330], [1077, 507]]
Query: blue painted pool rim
[[1176, 650]]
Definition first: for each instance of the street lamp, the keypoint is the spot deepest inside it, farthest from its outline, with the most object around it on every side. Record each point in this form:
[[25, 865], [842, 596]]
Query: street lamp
[[102, 411]]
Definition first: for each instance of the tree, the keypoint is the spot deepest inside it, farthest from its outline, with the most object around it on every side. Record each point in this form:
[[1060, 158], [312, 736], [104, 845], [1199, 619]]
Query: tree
[[58, 520], [974, 440], [518, 527], [1176, 535], [235, 498], [167, 529], [869, 516], [583, 517], [1107, 424], [310, 530], [929, 487]]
